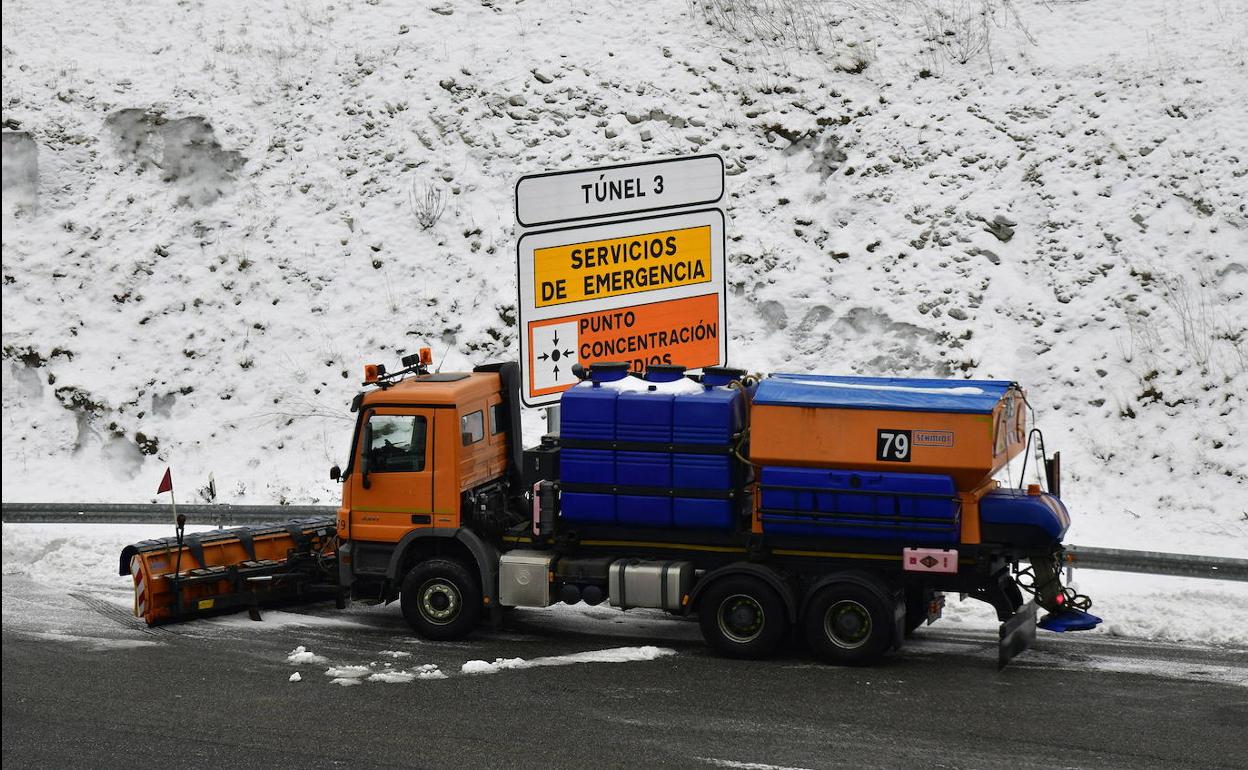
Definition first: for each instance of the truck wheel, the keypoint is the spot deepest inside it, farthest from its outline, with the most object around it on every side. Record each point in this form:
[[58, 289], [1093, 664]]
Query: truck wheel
[[742, 617], [441, 600], [849, 624]]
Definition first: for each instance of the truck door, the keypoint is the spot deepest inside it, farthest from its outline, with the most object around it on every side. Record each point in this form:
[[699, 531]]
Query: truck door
[[393, 489]]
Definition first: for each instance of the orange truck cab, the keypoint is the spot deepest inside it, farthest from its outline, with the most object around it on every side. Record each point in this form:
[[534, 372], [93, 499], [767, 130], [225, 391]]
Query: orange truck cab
[[431, 474]]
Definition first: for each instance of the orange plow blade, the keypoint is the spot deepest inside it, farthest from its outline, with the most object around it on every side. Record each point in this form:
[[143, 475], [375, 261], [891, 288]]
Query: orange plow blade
[[229, 570]]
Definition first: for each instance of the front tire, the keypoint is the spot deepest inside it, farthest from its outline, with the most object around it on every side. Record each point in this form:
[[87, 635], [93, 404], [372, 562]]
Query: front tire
[[742, 617], [849, 624], [441, 600]]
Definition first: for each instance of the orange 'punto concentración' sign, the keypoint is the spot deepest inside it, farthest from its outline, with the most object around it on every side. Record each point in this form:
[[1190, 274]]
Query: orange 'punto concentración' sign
[[680, 331]]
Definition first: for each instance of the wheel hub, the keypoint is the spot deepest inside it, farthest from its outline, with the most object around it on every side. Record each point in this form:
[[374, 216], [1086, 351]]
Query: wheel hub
[[741, 618], [847, 624], [439, 602]]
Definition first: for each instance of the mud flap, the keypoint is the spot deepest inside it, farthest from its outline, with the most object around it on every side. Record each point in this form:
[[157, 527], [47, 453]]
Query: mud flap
[[899, 622], [1017, 634]]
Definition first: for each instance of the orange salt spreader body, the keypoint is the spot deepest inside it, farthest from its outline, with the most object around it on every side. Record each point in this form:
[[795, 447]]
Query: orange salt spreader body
[[967, 430]]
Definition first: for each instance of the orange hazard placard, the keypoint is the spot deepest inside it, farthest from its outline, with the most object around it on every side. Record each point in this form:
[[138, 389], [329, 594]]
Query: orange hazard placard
[[680, 331]]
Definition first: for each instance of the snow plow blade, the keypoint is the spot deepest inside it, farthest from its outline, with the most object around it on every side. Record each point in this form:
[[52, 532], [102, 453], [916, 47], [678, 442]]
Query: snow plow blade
[[229, 570]]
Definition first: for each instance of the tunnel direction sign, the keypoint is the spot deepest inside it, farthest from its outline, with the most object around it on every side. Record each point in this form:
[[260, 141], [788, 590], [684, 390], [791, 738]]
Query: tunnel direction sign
[[615, 191], [645, 289]]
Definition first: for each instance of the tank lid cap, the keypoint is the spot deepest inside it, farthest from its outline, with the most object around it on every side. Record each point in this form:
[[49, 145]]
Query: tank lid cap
[[608, 371], [664, 372], [715, 376]]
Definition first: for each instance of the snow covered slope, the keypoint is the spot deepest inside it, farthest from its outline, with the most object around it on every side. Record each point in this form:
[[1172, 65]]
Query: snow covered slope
[[215, 212]]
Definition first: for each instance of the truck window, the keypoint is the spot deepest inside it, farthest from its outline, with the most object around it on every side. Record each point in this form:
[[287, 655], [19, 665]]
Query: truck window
[[472, 427], [398, 443], [498, 419]]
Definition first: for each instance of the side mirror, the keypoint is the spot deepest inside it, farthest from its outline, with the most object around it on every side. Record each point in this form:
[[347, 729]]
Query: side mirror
[[335, 473]]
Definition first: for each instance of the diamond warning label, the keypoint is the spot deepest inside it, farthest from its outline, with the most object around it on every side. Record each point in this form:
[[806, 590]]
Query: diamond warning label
[[681, 331]]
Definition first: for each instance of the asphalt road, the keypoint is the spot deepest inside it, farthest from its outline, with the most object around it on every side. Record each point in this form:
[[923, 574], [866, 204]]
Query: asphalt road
[[84, 685]]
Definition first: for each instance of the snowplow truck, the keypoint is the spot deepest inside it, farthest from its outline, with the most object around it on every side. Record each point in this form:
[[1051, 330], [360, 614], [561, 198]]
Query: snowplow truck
[[839, 507]]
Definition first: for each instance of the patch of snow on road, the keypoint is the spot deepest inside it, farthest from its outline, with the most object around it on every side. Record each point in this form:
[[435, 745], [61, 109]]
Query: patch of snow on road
[[429, 671], [611, 655], [348, 675], [301, 655], [499, 664], [399, 676], [735, 765], [392, 677]]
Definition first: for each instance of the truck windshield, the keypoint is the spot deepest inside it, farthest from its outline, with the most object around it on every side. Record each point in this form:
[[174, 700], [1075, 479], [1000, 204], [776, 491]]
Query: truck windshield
[[398, 443]]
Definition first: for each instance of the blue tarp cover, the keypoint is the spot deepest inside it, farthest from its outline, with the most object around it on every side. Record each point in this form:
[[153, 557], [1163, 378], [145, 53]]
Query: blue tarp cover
[[895, 393]]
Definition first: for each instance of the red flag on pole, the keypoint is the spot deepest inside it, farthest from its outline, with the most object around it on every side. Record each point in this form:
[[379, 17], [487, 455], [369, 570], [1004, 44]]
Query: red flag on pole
[[166, 484]]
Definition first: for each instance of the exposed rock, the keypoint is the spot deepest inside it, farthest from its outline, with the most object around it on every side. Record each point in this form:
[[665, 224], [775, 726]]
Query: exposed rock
[[1001, 228], [21, 169], [184, 149]]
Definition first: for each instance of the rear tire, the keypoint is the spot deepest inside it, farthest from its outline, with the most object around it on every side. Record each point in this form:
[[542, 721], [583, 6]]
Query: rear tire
[[441, 599], [742, 617], [849, 624]]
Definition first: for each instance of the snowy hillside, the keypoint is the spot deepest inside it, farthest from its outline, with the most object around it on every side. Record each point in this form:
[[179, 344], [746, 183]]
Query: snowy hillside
[[216, 212]]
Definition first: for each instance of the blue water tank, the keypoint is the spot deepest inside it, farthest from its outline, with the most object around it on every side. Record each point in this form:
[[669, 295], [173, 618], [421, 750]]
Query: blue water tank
[[587, 508], [644, 417], [644, 510], [711, 416], [698, 513], [588, 413], [816, 502]]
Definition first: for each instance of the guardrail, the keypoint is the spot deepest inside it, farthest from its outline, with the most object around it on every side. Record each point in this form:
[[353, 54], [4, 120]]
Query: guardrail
[[1156, 563], [129, 513], [1085, 557]]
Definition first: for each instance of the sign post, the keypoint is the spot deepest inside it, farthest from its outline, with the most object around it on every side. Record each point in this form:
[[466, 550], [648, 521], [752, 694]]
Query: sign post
[[621, 263]]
